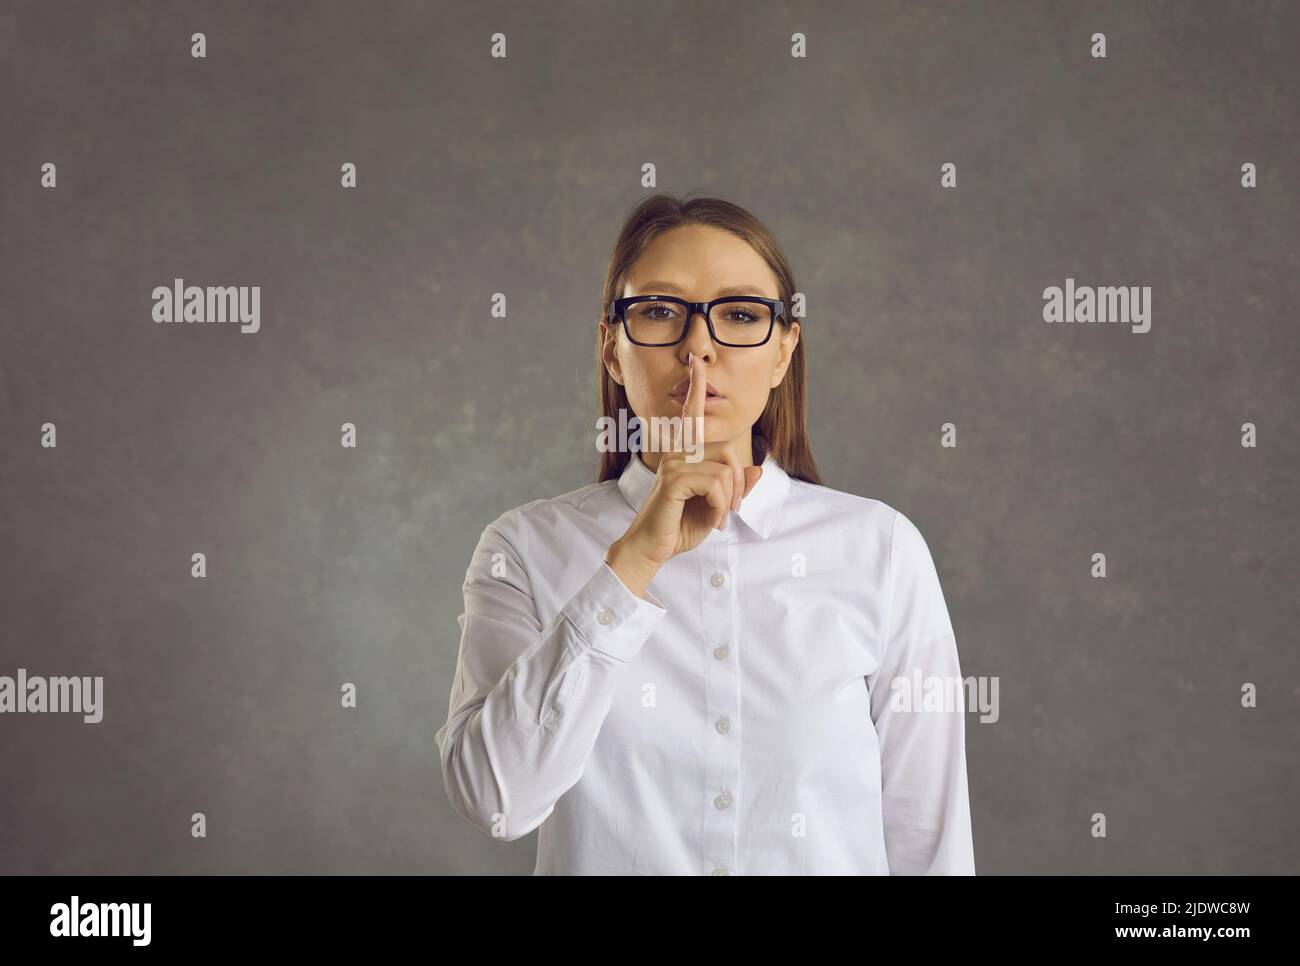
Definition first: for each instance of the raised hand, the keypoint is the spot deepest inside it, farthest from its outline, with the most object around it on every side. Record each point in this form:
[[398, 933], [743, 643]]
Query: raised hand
[[688, 498]]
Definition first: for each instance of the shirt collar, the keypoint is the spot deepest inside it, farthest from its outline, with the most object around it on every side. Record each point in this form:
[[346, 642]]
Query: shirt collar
[[759, 510]]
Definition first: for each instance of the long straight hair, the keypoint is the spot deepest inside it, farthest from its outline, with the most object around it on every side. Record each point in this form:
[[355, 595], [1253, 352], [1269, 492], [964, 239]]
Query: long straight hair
[[781, 430]]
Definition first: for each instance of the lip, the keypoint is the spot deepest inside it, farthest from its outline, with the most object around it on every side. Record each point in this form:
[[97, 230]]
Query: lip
[[710, 402], [679, 390]]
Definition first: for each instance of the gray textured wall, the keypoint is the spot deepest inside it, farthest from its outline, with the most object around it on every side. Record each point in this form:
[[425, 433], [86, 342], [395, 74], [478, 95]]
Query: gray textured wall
[[478, 175]]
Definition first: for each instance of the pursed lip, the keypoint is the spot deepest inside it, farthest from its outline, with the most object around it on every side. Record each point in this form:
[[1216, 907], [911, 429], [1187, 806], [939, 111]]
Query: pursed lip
[[679, 390]]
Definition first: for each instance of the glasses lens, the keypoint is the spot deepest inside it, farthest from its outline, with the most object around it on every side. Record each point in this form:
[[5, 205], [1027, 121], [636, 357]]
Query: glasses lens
[[741, 323], [653, 322]]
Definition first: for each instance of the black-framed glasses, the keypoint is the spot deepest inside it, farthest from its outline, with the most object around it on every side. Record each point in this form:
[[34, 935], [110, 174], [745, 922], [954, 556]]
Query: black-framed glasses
[[663, 320]]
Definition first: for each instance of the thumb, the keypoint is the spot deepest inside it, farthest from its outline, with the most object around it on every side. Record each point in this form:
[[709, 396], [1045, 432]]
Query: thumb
[[752, 473]]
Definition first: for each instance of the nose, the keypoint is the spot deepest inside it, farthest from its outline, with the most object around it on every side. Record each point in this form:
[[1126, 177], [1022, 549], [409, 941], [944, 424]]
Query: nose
[[698, 339]]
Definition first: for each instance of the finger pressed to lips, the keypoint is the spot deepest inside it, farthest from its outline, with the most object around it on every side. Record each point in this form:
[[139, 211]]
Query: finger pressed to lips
[[681, 388], [695, 402], [710, 402]]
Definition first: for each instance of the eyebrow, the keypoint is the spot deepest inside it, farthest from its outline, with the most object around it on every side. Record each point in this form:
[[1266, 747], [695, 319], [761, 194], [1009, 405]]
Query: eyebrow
[[654, 287]]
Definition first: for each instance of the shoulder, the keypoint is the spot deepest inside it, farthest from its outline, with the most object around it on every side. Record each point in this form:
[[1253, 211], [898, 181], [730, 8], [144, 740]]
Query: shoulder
[[875, 523], [546, 514], [862, 515]]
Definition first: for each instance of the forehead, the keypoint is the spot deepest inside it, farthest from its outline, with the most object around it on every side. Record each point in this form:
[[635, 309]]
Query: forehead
[[701, 262]]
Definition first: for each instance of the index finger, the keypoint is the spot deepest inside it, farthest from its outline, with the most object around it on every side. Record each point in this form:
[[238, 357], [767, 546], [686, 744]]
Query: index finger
[[693, 406]]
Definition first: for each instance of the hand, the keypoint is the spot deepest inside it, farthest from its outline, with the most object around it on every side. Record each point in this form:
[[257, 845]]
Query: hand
[[687, 499]]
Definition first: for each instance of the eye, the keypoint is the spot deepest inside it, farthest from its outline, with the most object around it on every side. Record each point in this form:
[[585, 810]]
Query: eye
[[744, 313], [656, 311]]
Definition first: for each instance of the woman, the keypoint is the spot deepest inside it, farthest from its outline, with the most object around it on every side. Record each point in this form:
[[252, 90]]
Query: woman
[[694, 666]]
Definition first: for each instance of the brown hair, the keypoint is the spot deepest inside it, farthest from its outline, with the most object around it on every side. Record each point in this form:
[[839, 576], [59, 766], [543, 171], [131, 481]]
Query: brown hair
[[780, 430]]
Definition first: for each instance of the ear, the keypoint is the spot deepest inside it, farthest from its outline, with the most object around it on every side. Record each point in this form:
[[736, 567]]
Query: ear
[[608, 355], [789, 339]]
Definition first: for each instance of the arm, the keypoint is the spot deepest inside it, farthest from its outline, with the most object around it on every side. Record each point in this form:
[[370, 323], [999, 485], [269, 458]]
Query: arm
[[528, 701], [922, 752]]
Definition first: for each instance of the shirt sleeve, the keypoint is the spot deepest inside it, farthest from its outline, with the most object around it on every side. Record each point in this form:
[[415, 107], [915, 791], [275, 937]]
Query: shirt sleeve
[[922, 744], [528, 701]]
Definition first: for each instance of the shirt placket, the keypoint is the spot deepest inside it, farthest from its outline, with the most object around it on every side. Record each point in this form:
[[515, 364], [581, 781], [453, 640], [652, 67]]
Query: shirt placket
[[722, 702]]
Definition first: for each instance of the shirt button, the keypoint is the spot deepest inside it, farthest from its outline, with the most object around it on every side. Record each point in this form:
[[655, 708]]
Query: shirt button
[[723, 725], [720, 871], [722, 801], [721, 652], [717, 580], [605, 616]]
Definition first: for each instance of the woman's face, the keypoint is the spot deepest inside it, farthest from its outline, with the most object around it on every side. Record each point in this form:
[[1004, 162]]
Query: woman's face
[[699, 263]]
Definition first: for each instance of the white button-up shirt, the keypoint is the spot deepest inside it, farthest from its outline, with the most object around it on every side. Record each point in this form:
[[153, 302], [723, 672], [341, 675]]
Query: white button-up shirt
[[746, 719]]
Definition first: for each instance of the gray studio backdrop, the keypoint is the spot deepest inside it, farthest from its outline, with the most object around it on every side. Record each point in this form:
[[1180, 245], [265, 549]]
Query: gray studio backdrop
[[325, 565]]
